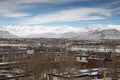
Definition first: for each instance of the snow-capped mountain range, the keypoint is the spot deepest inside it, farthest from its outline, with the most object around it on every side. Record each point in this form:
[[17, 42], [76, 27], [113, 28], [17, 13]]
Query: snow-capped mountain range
[[91, 32], [6, 34]]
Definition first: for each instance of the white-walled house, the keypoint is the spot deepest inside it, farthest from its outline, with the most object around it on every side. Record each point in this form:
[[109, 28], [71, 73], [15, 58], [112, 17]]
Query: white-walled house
[[93, 48], [82, 58]]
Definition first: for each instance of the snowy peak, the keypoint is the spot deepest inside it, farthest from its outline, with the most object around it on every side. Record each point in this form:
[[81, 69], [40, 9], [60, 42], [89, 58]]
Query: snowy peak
[[106, 34], [6, 34], [91, 32], [102, 27], [103, 34]]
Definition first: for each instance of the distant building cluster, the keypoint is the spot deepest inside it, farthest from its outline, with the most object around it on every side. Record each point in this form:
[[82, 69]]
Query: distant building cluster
[[91, 57]]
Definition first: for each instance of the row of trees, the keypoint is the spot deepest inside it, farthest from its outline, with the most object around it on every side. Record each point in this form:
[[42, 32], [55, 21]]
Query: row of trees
[[43, 64], [113, 64]]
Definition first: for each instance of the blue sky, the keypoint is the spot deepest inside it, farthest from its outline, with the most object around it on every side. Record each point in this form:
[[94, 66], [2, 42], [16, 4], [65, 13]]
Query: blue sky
[[75, 13]]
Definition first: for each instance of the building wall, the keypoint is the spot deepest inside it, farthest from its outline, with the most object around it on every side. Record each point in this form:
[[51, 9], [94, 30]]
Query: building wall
[[95, 63]]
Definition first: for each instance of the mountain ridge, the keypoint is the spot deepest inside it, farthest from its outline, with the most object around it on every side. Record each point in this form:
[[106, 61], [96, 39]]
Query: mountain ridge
[[90, 34], [6, 34]]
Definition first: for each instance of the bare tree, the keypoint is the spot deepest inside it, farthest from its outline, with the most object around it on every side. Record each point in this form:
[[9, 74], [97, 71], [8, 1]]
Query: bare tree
[[66, 65], [114, 65], [42, 64], [38, 65], [110, 45]]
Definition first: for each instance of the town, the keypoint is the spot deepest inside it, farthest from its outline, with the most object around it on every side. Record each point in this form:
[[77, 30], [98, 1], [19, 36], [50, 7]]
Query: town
[[59, 39], [59, 59]]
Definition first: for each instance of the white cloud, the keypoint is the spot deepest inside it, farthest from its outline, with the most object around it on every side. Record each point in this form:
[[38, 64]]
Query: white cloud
[[113, 6], [46, 1], [14, 15], [13, 6], [112, 3], [49, 1], [102, 27], [71, 15], [9, 8]]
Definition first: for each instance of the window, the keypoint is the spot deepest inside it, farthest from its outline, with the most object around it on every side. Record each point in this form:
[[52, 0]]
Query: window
[[1, 56], [58, 55], [1, 60], [80, 58]]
